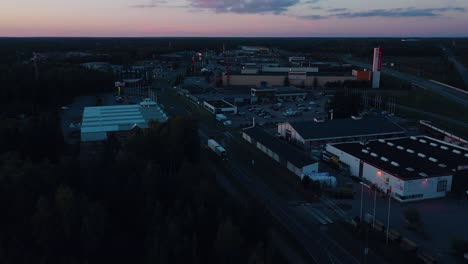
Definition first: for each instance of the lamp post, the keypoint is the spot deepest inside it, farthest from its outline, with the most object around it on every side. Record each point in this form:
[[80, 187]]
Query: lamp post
[[362, 198], [375, 201], [388, 216]]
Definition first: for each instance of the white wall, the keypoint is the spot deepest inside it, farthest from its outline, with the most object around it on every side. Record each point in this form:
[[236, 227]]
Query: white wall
[[309, 169], [427, 187], [294, 135], [347, 159]]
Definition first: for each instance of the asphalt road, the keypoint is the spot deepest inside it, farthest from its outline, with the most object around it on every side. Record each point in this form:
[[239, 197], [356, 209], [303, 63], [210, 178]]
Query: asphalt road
[[455, 95], [460, 67]]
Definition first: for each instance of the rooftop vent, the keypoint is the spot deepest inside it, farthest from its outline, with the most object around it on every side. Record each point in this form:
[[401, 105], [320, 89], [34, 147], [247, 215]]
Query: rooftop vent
[[374, 155], [423, 174], [413, 138], [410, 151], [390, 144], [433, 159], [444, 147], [456, 151], [442, 165], [422, 141], [381, 140], [384, 159], [400, 148], [409, 169], [365, 151], [433, 144], [421, 155], [395, 164]]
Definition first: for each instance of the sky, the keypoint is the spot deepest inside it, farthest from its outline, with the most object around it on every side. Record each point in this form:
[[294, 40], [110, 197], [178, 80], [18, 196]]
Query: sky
[[234, 18]]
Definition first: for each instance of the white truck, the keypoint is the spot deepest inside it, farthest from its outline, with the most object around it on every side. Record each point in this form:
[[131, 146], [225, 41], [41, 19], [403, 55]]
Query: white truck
[[217, 148]]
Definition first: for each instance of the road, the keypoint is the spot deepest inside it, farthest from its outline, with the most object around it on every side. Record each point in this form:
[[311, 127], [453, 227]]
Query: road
[[460, 67], [436, 116], [455, 95]]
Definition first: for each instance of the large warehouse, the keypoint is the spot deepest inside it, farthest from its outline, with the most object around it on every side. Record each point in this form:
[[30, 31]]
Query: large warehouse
[[313, 134], [410, 168], [293, 159], [305, 79], [100, 121]]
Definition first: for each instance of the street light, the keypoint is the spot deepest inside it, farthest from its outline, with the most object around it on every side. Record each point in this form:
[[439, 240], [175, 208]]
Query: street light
[[388, 216]]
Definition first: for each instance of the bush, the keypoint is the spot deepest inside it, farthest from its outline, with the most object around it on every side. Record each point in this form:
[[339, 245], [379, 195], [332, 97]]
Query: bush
[[460, 246]]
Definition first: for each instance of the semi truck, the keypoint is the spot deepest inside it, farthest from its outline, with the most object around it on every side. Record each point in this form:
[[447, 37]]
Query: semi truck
[[217, 148]]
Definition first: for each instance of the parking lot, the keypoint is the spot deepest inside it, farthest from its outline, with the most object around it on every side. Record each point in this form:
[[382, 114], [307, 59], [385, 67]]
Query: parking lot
[[285, 111], [312, 109], [433, 214]]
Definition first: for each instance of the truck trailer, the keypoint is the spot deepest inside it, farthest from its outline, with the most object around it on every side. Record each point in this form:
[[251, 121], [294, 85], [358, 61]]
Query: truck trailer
[[217, 148]]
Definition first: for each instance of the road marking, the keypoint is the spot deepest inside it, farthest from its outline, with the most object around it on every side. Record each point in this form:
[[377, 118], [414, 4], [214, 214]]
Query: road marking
[[315, 215], [326, 218]]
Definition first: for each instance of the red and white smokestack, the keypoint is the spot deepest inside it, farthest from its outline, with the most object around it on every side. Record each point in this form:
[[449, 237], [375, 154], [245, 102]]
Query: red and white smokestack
[[376, 68]]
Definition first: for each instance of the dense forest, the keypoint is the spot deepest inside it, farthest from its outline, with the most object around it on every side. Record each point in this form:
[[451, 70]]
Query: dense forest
[[153, 199], [150, 200]]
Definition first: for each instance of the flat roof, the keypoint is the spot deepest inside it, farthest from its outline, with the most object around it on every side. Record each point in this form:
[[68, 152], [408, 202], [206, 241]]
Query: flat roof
[[120, 117], [282, 149], [346, 128], [410, 156], [219, 103], [260, 73]]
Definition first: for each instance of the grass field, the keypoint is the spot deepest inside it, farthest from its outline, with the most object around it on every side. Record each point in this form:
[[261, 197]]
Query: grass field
[[430, 102]]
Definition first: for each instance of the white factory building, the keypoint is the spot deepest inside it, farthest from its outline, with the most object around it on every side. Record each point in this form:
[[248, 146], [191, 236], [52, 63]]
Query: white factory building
[[410, 168], [100, 121]]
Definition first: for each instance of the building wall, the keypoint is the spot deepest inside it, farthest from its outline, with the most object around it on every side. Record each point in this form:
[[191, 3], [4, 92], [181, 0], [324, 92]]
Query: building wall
[[347, 159], [312, 168], [225, 110], [309, 169], [284, 127], [413, 190], [278, 80], [96, 136], [254, 80]]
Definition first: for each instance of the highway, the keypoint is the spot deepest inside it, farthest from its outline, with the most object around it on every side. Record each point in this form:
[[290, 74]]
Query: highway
[[455, 95], [460, 67]]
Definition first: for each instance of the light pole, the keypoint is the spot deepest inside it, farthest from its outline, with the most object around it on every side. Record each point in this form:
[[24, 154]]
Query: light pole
[[375, 201], [362, 198], [388, 217]]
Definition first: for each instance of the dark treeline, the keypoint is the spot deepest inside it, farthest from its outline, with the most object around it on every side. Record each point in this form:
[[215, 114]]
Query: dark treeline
[[150, 200], [127, 50], [26, 89]]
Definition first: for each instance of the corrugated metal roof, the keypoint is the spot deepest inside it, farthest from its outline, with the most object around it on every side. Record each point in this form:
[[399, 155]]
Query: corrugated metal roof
[[120, 117]]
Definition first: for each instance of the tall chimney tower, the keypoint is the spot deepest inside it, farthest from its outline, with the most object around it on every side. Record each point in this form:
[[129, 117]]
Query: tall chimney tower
[[376, 68]]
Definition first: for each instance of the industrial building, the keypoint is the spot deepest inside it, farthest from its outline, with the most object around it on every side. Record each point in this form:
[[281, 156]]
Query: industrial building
[[101, 121], [313, 134], [410, 168], [376, 68], [283, 153], [220, 107], [272, 94], [296, 78]]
